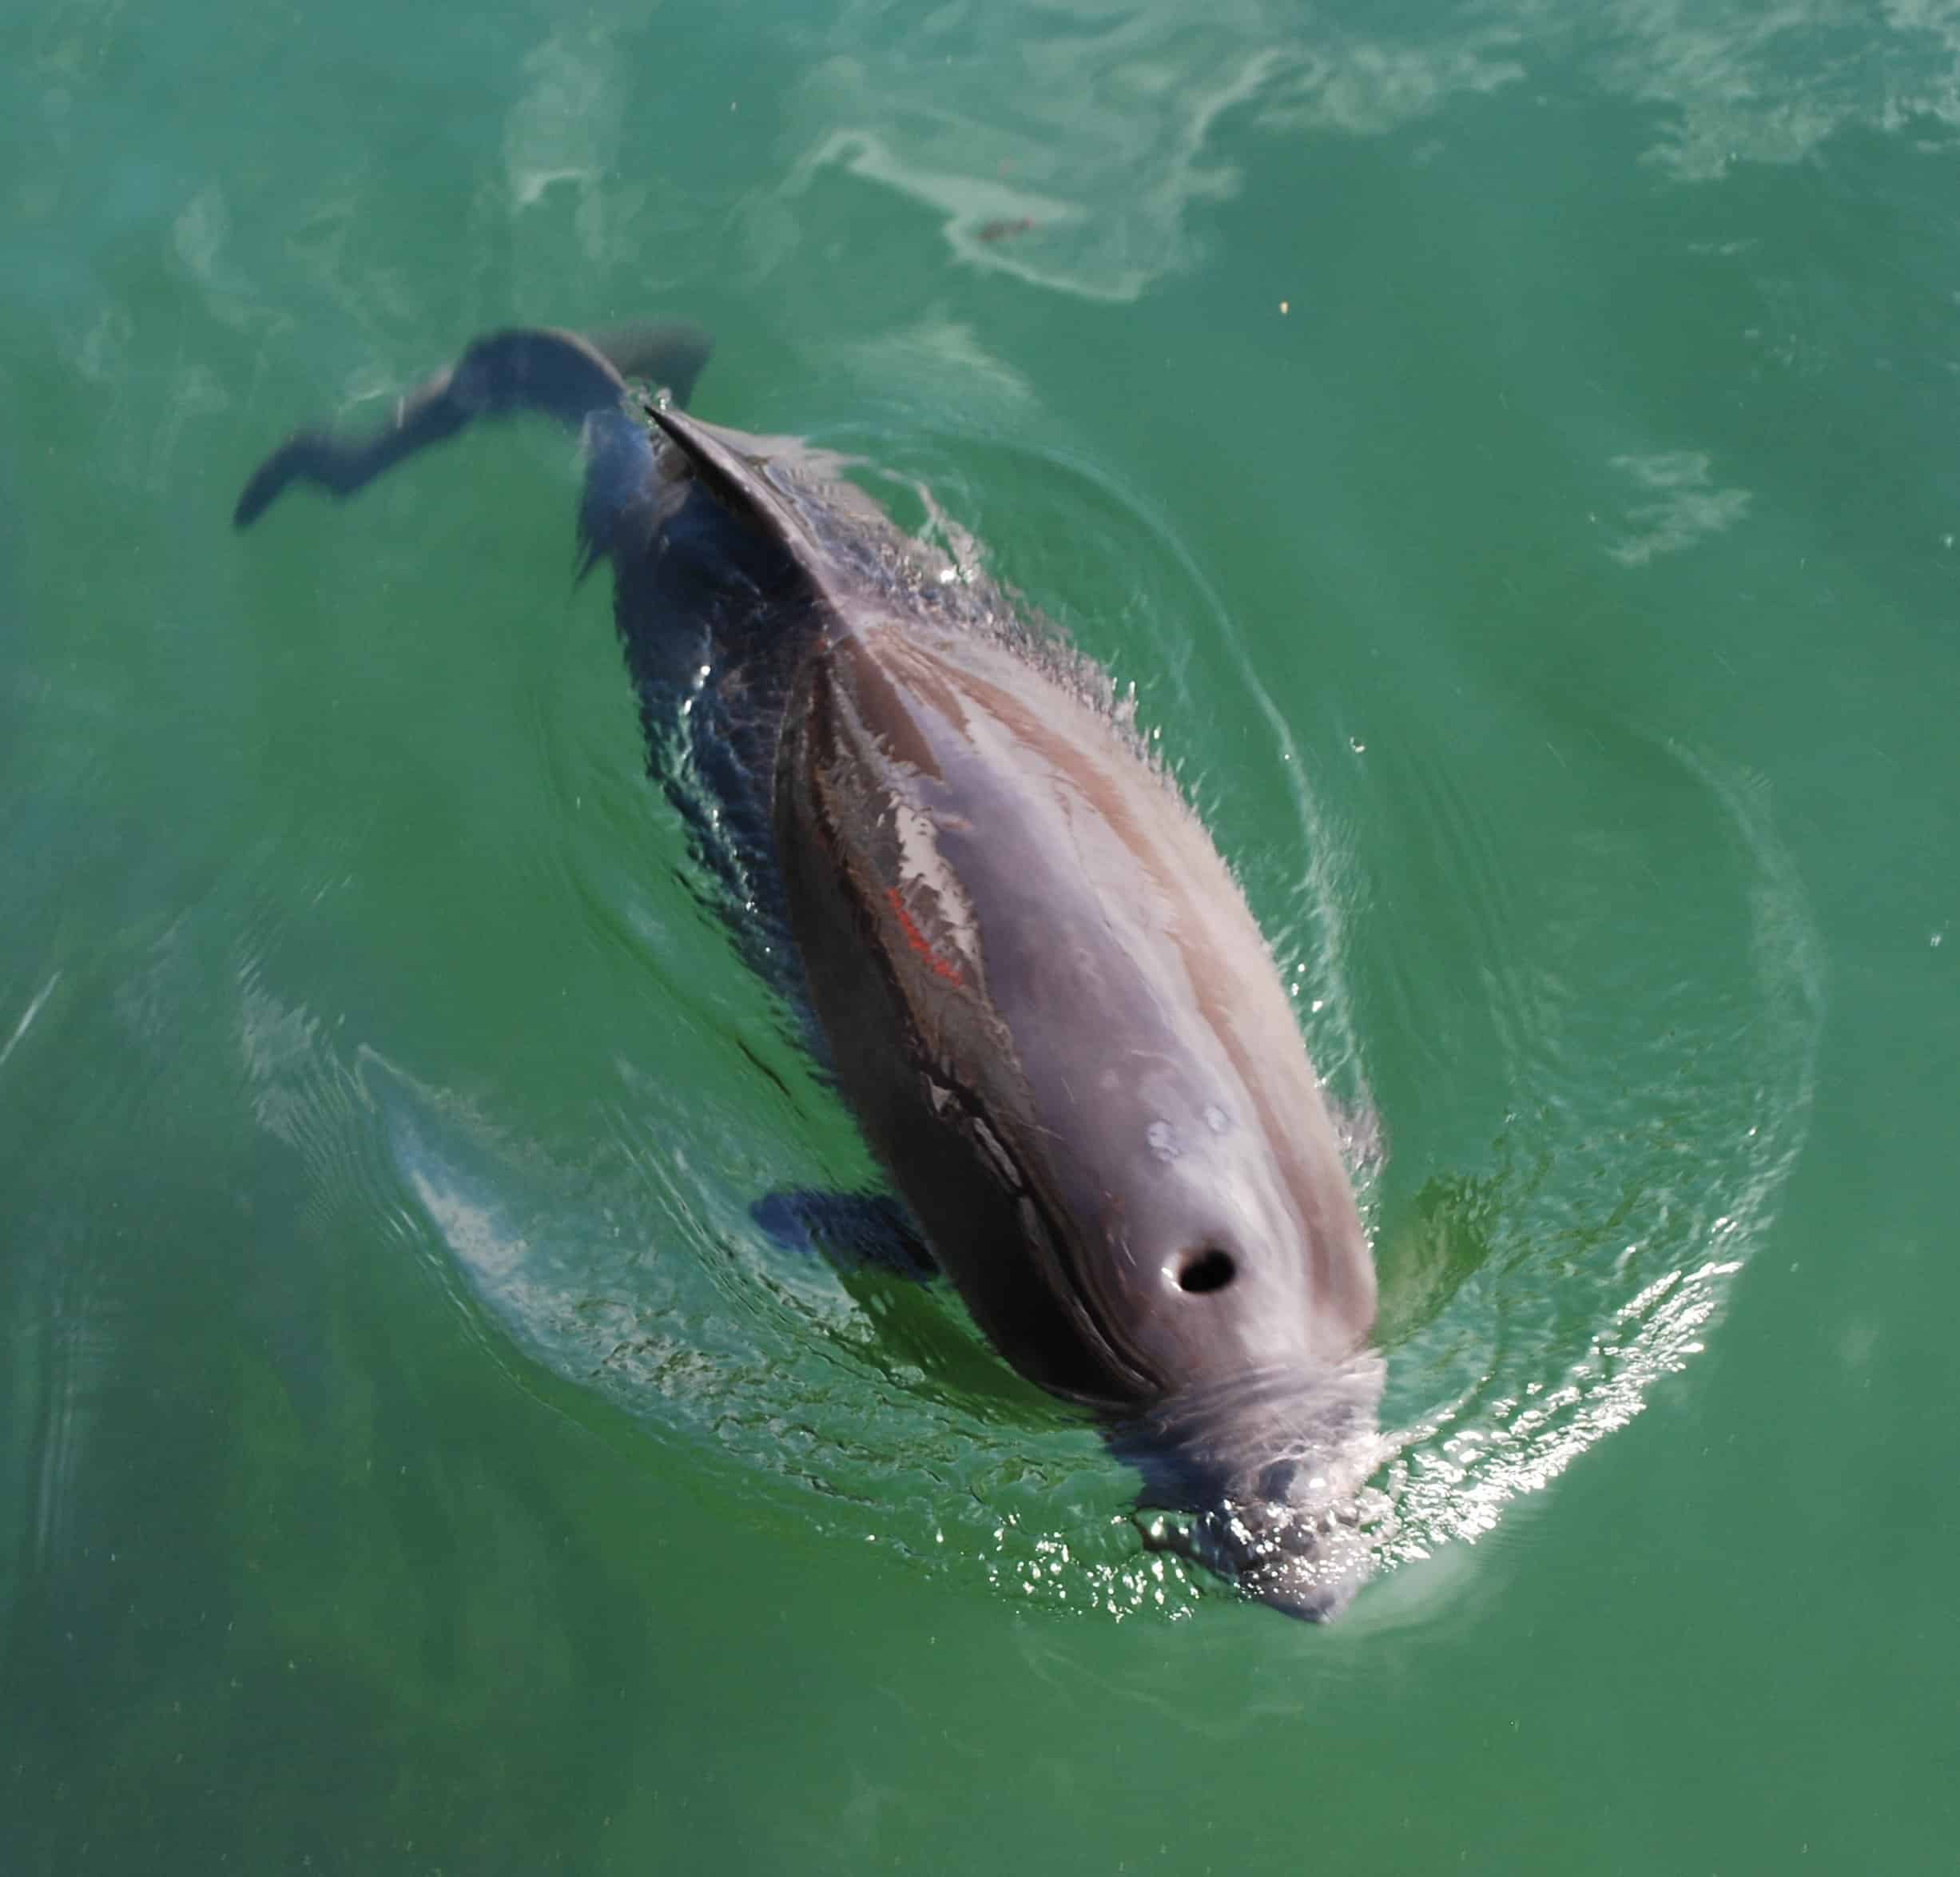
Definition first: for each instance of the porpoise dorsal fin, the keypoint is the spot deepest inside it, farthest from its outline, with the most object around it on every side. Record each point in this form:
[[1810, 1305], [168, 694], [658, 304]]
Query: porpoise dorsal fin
[[799, 497]]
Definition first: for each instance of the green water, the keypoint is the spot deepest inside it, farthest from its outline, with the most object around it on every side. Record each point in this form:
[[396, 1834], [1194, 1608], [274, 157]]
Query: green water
[[1511, 449]]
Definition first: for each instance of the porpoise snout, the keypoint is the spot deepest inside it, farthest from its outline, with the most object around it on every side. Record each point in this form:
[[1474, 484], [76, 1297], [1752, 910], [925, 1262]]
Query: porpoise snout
[[1308, 1563], [1260, 1481]]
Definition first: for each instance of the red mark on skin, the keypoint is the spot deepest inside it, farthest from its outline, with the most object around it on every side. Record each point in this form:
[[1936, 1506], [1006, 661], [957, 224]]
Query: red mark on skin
[[920, 942]]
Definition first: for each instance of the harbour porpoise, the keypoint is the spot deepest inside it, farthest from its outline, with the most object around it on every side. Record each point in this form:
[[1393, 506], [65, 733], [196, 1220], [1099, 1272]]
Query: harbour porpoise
[[1024, 961]]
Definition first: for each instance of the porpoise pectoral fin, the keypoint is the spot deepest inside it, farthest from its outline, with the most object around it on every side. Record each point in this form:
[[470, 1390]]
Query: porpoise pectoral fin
[[848, 1228], [580, 382]]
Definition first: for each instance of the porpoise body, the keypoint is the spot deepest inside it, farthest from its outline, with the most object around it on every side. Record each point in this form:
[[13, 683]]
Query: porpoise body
[[1030, 973]]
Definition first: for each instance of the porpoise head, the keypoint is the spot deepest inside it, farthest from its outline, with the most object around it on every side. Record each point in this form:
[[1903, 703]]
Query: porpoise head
[[1220, 1284]]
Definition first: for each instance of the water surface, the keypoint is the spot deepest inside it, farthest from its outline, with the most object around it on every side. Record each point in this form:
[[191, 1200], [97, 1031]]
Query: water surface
[[1508, 450]]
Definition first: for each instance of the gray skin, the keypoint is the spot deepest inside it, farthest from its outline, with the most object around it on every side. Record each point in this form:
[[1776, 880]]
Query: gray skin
[[1029, 973]]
